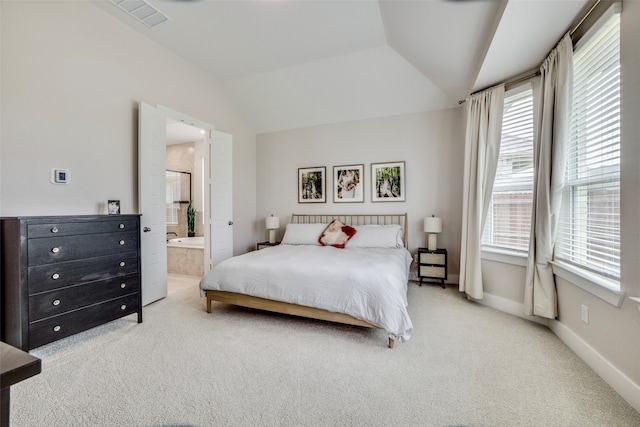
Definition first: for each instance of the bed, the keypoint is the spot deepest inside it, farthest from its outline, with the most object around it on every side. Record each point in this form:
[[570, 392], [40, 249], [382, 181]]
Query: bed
[[350, 269]]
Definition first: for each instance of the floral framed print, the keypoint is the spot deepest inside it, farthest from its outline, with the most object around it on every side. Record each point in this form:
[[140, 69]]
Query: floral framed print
[[348, 184], [387, 182], [312, 185]]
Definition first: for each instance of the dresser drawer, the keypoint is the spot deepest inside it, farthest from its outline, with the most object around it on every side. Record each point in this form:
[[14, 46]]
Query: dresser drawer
[[44, 278], [66, 228], [433, 271], [432, 258], [60, 301], [60, 249], [53, 328]]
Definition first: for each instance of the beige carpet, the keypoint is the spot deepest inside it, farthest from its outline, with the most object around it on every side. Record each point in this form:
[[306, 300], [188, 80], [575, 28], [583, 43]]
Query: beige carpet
[[466, 365]]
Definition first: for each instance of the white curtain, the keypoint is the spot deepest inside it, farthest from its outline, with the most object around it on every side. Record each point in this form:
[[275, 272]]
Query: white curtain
[[482, 147], [550, 148]]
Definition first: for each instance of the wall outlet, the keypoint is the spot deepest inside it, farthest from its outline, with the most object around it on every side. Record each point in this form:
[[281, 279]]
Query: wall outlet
[[584, 315]]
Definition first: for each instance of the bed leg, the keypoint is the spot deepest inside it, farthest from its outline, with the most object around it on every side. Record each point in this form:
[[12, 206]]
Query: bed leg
[[208, 304], [391, 342]]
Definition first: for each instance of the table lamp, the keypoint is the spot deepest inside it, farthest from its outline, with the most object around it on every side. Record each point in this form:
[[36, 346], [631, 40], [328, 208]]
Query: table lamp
[[433, 226], [272, 223]]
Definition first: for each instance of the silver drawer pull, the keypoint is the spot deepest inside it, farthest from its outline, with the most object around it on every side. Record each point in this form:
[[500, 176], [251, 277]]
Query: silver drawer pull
[[55, 250], [123, 307], [54, 230], [56, 328], [122, 263], [123, 285], [55, 276], [121, 242], [56, 302], [120, 225]]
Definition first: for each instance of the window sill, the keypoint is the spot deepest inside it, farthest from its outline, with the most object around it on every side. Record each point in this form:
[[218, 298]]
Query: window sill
[[504, 256], [637, 300], [606, 289]]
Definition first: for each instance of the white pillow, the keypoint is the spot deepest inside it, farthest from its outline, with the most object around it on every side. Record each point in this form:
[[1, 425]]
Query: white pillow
[[303, 234], [377, 236]]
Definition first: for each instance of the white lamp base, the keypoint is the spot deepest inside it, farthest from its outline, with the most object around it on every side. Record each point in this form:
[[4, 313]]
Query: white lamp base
[[433, 242], [272, 236]]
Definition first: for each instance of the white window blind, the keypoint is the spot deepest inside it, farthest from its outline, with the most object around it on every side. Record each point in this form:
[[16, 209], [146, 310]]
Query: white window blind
[[173, 198], [589, 228], [508, 223]]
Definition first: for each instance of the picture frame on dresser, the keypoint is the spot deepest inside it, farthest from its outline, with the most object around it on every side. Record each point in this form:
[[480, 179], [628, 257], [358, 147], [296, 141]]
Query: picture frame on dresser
[[113, 207]]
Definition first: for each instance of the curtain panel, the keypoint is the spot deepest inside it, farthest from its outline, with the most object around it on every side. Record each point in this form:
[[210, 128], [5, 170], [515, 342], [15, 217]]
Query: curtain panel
[[551, 141], [482, 148]]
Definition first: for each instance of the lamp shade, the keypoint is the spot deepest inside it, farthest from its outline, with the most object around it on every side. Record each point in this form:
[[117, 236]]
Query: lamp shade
[[433, 224], [272, 222]]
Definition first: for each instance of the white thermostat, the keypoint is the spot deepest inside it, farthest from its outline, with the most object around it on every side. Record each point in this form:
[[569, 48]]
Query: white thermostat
[[59, 176]]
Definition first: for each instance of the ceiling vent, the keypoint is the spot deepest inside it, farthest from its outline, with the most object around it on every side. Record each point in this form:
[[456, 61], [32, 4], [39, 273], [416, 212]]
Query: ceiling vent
[[142, 11]]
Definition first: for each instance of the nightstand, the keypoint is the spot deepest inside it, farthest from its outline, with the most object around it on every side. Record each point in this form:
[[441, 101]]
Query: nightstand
[[263, 245], [432, 265]]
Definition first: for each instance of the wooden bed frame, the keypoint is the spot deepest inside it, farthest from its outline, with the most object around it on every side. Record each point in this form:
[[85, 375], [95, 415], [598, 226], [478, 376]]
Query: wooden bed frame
[[304, 311]]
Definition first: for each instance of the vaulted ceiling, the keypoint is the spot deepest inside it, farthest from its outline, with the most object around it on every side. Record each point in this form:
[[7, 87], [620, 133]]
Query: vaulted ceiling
[[298, 63]]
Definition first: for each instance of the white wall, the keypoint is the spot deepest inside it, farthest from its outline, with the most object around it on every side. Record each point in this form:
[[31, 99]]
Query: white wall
[[72, 77], [431, 144], [610, 342], [1, 106]]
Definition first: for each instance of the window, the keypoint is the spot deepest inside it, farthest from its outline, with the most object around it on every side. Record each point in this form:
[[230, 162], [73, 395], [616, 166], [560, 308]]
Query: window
[[173, 197], [589, 227], [508, 224]]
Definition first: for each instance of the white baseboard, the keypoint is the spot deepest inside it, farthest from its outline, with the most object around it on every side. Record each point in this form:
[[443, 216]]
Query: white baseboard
[[622, 384], [508, 306], [452, 279]]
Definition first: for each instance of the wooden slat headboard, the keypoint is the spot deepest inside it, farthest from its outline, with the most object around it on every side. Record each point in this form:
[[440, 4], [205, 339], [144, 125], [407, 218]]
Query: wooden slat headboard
[[355, 219]]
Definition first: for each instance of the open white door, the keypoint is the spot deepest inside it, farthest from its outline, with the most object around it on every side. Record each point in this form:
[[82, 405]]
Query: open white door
[[218, 197], [221, 191], [152, 154]]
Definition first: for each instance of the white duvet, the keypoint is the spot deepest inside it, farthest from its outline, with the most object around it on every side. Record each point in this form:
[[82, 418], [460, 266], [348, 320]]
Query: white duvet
[[369, 284]]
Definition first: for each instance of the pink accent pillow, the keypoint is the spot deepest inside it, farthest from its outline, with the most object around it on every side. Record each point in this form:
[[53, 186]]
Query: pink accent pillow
[[336, 234]]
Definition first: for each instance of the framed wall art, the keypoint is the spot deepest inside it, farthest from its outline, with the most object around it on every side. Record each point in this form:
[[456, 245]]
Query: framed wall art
[[348, 183], [312, 184], [387, 182]]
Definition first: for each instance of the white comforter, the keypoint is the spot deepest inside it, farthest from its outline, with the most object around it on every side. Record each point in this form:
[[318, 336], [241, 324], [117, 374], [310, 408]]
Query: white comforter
[[368, 284]]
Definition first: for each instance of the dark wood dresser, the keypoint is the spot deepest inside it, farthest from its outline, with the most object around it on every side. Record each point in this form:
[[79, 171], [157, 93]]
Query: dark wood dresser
[[65, 274]]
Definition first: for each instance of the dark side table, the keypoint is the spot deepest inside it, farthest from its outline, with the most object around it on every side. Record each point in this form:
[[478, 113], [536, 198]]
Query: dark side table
[[432, 265], [263, 245], [15, 366]]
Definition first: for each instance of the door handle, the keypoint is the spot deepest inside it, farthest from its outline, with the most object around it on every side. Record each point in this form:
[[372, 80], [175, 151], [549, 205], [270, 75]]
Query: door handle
[[230, 222], [146, 229]]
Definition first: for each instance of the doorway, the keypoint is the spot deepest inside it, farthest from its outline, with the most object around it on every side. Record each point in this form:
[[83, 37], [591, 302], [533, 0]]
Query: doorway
[[185, 148], [152, 203]]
